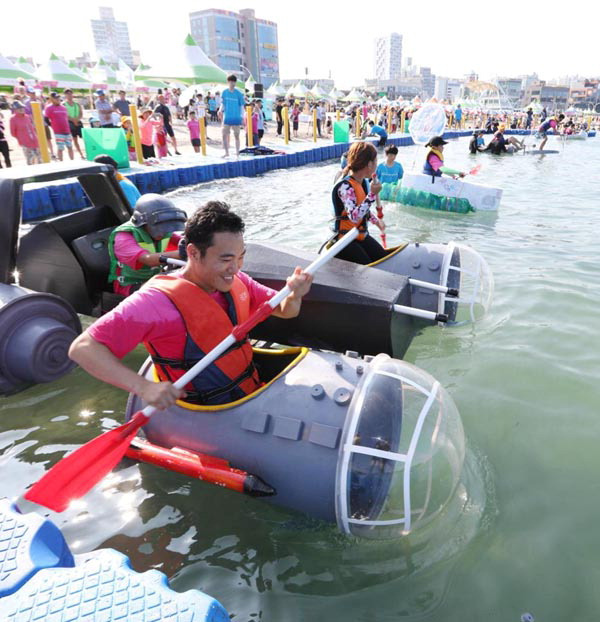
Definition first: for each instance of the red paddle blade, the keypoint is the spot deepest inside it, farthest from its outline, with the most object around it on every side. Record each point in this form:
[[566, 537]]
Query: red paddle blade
[[74, 475], [475, 170]]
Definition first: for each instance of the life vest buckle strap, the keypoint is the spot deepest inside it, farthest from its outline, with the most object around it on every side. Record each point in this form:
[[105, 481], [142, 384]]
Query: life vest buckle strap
[[206, 397], [186, 364]]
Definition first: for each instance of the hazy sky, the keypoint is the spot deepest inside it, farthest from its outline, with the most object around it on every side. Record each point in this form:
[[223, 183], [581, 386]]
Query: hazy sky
[[501, 38]]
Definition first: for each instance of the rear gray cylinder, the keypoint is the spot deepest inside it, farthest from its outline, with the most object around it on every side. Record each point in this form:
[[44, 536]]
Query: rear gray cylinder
[[36, 331], [423, 262]]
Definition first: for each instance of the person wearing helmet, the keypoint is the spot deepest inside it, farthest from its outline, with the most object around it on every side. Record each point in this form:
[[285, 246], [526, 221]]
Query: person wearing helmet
[[132, 194], [434, 161], [135, 246]]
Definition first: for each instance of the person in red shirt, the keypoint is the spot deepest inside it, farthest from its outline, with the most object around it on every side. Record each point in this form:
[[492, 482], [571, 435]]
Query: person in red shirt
[[181, 317], [58, 116]]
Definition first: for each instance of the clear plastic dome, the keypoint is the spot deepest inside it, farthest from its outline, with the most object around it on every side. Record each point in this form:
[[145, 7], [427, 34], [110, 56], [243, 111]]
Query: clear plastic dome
[[463, 268], [402, 452]]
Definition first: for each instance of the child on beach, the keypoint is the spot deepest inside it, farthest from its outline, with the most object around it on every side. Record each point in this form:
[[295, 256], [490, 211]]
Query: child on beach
[[160, 136], [147, 125], [21, 128], [129, 138], [295, 114], [255, 139], [194, 129]]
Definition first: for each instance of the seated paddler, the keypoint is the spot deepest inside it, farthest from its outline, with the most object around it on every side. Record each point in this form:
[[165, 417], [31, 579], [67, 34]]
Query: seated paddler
[[135, 247], [434, 160], [181, 316], [353, 197]]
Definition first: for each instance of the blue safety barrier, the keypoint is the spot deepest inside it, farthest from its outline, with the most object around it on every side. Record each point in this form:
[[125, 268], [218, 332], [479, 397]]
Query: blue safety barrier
[[37, 204], [261, 165], [41, 580], [219, 170], [252, 167], [272, 162], [68, 197]]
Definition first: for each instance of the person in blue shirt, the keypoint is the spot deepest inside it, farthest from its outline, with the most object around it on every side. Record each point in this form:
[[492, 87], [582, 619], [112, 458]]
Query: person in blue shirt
[[458, 115], [377, 130], [232, 104], [132, 194], [390, 171]]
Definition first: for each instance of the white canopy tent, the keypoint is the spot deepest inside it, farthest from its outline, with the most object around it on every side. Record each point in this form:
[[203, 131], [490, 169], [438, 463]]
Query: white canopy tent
[[10, 74], [187, 64], [57, 72]]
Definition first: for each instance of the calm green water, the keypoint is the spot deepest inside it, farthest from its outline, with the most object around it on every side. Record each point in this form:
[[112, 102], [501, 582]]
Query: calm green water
[[522, 534]]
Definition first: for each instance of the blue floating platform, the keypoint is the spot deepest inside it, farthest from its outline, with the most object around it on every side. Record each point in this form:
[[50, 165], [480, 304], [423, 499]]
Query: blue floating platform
[[40, 580]]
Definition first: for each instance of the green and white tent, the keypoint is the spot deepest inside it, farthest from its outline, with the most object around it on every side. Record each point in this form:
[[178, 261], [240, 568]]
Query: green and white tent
[[335, 94], [297, 90], [55, 71], [125, 75], [353, 96], [103, 73], [187, 64], [26, 66], [10, 74], [276, 90]]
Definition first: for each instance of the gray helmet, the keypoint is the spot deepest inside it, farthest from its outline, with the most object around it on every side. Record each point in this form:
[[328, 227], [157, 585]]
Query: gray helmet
[[159, 214]]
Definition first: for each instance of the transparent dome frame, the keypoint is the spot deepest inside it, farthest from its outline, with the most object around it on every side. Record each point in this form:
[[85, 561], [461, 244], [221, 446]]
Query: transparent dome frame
[[419, 383], [462, 263]]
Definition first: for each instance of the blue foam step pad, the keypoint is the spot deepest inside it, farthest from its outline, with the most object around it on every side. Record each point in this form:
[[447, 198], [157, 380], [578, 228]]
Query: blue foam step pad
[[102, 587], [28, 543], [41, 581]]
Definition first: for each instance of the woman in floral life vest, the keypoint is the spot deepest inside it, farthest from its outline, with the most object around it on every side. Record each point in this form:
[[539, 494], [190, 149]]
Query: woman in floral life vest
[[353, 197]]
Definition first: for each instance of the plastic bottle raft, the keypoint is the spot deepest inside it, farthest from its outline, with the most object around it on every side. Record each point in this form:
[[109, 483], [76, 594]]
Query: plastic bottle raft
[[375, 445], [40, 579], [442, 194]]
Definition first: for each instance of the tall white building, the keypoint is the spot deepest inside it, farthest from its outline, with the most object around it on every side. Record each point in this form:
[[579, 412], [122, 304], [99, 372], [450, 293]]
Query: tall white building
[[111, 38], [448, 89], [388, 57]]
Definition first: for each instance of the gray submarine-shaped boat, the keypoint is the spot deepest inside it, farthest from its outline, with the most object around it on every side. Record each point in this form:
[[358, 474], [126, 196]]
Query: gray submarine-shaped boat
[[63, 261], [374, 445]]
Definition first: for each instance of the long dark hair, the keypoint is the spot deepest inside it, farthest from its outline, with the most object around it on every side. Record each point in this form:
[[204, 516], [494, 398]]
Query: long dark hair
[[359, 156]]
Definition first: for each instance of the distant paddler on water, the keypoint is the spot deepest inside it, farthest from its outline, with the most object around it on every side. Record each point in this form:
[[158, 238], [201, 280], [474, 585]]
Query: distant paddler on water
[[549, 124]]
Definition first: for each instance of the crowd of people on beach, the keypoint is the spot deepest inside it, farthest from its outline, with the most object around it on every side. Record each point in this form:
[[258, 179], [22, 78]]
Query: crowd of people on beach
[[64, 117]]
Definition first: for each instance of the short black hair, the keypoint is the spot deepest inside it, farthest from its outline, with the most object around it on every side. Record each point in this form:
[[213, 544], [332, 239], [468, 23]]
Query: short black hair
[[371, 122], [232, 78], [103, 158], [214, 217], [391, 149]]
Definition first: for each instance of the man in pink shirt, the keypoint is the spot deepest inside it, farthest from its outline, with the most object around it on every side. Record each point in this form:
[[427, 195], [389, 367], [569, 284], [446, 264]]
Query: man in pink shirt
[[58, 116], [181, 317]]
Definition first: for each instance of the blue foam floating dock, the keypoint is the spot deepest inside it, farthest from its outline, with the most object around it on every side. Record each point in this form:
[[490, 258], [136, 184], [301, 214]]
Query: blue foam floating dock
[[40, 580], [44, 202]]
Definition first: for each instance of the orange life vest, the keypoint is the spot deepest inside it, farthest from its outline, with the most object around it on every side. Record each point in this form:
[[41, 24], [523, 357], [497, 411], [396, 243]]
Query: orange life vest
[[232, 375], [343, 223]]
